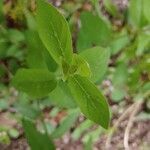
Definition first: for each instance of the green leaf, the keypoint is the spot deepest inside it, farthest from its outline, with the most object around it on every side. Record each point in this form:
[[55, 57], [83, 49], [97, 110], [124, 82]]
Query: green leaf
[[77, 133], [110, 7], [38, 57], [146, 4], [27, 111], [93, 135], [120, 76], [94, 31], [77, 66], [54, 32], [97, 58], [3, 104], [146, 87], [36, 140], [90, 100], [118, 94], [30, 19], [13, 51], [35, 82], [66, 124], [15, 36], [119, 41], [51, 64], [60, 97], [88, 145], [1, 11], [82, 66], [119, 82], [136, 14], [3, 47], [143, 42], [35, 57], [133, 81], [99, 12]]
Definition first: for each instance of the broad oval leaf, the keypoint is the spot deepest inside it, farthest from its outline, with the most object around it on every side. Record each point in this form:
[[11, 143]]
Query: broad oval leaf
[[36, 140], [54, 32], [97, 59], [38, 56], [93, 31], [35, 82], [90, 100]]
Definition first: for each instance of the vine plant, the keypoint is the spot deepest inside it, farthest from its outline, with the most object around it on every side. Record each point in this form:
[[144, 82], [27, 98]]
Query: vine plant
[[72, 69]]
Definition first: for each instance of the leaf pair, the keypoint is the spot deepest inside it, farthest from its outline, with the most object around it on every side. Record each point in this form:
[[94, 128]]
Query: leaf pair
[[55, 35]]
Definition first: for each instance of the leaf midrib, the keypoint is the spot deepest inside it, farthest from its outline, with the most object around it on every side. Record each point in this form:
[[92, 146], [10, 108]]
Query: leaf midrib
[[88, 96], [55, 35]]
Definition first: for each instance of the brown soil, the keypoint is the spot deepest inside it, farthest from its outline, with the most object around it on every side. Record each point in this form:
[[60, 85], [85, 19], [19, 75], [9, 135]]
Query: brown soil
[[139, 140]]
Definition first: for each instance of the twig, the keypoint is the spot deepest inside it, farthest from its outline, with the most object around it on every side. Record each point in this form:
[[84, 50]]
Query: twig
[[122, 117], [130, 124]]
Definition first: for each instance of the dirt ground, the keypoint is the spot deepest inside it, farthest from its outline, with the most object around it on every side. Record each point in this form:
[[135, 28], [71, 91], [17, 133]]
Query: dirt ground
[[139, 140]]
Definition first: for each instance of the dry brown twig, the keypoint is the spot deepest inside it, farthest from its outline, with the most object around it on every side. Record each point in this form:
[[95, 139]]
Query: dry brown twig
[[114, 128], [133, 110], [130, 124]]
